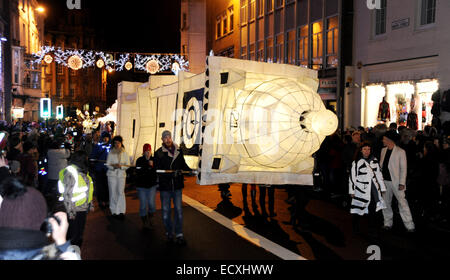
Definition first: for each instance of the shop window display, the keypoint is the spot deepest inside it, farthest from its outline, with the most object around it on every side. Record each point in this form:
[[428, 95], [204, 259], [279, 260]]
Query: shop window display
[[402, 110]]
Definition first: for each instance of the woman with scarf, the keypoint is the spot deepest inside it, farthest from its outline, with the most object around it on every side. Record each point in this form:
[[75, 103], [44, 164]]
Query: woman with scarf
[[117, 162], [366, 186]]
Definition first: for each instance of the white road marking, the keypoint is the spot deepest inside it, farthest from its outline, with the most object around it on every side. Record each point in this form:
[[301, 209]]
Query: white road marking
[[244, 232]]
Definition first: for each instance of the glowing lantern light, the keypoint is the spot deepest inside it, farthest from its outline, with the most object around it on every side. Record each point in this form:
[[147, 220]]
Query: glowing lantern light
[[75, 62], [128, 65], [48, 59], [100, 63], [152, 66], [175, 68]]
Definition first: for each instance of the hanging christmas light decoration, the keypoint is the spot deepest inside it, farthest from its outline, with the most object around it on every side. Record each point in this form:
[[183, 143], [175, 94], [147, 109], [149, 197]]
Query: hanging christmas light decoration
[[75, 62], [175, 68], [128, 65], [152, 66], [100, 63], [77, 59], [48, 59]]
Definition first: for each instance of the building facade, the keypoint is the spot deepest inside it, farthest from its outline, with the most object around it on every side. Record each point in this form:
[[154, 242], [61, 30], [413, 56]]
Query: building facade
[[401, 57], [4, 24], [193, 34], [26, 27], [82, 89]]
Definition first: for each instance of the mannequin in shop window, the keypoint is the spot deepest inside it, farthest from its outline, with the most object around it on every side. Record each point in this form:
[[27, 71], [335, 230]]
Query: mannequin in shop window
[[412, 121], [384, 111]]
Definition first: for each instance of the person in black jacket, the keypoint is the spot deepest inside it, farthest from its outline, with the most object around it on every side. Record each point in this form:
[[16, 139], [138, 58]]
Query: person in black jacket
[[170, 160], [146, 185]]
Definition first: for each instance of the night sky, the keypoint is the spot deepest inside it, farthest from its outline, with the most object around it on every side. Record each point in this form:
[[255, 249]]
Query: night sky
[[129, 25], [136, 26]]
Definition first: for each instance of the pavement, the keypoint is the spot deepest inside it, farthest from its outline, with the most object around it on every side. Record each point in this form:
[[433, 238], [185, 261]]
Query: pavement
[[218, 229]]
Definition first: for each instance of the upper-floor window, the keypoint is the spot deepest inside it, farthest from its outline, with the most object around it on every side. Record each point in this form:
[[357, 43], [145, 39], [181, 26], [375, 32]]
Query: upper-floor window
[[244, 12], [252, 9], [269, 6], [279, 3], [427, 12], [380, 19], [332, 41], [225, 24], [218, 27], [317, 45], [231, 16], [260, 8], [303, 45]]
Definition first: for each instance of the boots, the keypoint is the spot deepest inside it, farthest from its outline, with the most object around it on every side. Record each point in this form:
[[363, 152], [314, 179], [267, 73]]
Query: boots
[[145, 221], [149, 220]]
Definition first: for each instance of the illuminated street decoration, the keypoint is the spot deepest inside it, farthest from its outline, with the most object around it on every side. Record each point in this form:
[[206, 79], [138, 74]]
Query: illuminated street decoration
[[75, 62], [48, 59], [240, 121], [128, 66], [46, 108], [152, 66], [60, 112], [80, 59], [100, 63]]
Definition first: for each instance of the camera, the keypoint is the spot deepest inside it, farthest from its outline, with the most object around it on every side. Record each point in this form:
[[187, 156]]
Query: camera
[[47, 226]]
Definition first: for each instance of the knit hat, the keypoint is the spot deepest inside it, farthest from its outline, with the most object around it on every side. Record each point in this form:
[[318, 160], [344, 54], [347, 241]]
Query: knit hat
[[147, 147], [27, 211], [392, 135], [166, 133]]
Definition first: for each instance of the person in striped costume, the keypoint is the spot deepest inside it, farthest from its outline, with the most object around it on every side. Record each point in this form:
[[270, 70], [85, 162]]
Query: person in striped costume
[[366, 187]]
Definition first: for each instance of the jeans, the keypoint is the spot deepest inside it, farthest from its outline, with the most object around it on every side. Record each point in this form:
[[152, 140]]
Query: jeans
[[166, 197], [146, 200]]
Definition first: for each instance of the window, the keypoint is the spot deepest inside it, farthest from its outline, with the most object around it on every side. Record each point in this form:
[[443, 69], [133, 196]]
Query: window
[[60, 69], [252, 52], [303, 46], [380, 19], [72, 90], [218, 27], [428, 12], [291, 47], [244, 12], [332, 41], [269, 6], [260, 8], [317, 45], [225, 25], [280, 49], [279, 3], [252, 9], [244, 52], [184, 21], [231, 15], [59, 89], [269, 46], [16, 66], [260, 53]]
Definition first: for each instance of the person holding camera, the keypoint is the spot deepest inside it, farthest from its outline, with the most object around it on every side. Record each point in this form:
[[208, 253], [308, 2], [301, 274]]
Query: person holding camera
[[169, 158], [25, 228]]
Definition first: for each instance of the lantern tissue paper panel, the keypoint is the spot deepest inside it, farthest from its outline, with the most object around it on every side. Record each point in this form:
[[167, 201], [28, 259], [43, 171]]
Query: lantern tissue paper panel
[[238, 122]]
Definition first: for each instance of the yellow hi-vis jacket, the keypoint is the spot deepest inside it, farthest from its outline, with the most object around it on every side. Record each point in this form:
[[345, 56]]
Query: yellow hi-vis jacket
[[79, 191]]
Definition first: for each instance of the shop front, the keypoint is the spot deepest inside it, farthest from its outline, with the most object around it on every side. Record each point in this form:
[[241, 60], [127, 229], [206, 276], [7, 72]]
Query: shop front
[[406, 103]]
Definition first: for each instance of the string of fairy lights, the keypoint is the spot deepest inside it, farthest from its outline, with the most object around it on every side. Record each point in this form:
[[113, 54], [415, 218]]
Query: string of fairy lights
[[77, 59]]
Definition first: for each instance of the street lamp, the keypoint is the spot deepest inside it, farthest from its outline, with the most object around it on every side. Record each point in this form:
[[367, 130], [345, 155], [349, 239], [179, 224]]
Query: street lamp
[[40, 9]]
